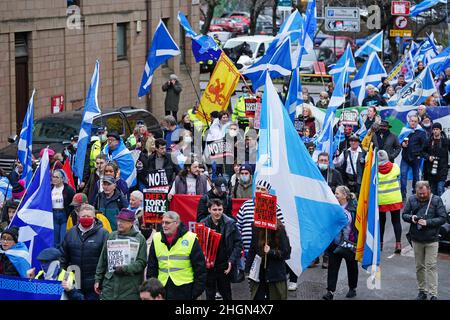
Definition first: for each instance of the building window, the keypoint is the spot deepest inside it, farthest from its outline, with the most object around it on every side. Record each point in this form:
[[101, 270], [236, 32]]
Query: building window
[[166, 23], [122, 41], [182, 45]]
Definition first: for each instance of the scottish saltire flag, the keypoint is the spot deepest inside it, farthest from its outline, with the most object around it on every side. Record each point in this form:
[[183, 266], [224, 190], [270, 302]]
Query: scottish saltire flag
[[91, 109], [408, 67], [291, 27], [163, 47], [362, 131], [406, 131], [312, 214], [414, 46], [34, 217], [294, 96], [125, 161], [371, 255], [346, 60], [5, 188], [374, 44], [440, 62], [14, 288], [203, 46], [415, 92], [25, 145], [338, 138], [427, 50], [370, 73], [309, 26], [20, 257], [278, 65], [423, 6]]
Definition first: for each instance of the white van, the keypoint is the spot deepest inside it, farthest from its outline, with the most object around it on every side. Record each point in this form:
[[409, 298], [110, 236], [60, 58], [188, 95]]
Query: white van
[[258, 46]]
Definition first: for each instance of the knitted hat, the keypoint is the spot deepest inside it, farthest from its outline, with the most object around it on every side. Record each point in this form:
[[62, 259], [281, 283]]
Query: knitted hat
[[114, 134], [382, 157], [13, 232], [126, 215], [18, 190], [51, 152], [437, 125], [264, 183], [173, 77], [247, 167]]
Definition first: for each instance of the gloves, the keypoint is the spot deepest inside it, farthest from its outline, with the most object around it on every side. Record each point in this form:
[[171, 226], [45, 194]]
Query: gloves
[[119, 270]]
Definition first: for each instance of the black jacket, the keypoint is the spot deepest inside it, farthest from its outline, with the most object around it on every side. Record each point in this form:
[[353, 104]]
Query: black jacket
[[359, 169], [375, 100], [387, 142], [334, 179], [171, 168], [7, 268], [439, 150], [187, 291], [202, 209], [435, 217], [276, 259], [231, 236], [84, 251], [416, 145]]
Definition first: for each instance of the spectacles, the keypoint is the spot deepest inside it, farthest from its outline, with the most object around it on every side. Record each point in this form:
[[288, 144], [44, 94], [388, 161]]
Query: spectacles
[[56, 177], [167, 222], [7, 239]]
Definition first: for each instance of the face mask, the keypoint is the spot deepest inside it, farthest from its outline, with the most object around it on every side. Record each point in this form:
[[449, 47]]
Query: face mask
[[245, 179], [86, 222], [383, 130], [75, 145], [233, 133], [103, 138], [426, 125], [187, 140], [187, 126], [323, 166]]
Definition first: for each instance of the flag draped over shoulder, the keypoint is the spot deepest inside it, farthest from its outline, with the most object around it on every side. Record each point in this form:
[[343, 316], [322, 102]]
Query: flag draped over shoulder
[[25, 145], [125, 161], [163, 47], [363, 205], [220, 87], [19, 256], [312, 215], [91, 109], [34, 217]]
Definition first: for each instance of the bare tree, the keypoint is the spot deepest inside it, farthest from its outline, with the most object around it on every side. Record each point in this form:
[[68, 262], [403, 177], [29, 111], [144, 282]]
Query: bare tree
[[256, 6], [209, 14]]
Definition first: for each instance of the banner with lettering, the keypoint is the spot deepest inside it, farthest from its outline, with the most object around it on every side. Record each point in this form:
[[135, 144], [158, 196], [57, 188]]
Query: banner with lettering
[[265, 215], [155, 205]]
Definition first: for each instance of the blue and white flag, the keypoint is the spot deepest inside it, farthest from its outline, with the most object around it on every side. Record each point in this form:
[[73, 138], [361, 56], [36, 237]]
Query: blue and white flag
[[440, 62], [25, 145], [278, 65], [346, 60], [338, 138], [203, 46], [294, 96], [312, 215], [423, 6], [309, 27], [406, 131], [371, 256], [409, 66], [125, 161], [362, 131], [5, 188], [291, 27], [415, 92], [91, 109], [34, 217], [370, 73], [163, 47], [426, 51], [374, 44], [20, 257]]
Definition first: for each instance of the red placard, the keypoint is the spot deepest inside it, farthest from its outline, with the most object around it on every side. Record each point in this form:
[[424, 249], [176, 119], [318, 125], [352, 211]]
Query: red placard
[[265, 215], [400, 8], [155, 204], [319, 68], [251, 104], [57, 104]]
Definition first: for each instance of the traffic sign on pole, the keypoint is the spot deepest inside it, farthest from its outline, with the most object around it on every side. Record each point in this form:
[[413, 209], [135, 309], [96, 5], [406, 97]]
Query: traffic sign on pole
[[344, 19], [400, 8]]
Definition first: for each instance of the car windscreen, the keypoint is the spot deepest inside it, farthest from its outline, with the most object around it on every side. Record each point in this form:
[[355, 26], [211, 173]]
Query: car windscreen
[[231, 44], [55, 129], [329, 42]]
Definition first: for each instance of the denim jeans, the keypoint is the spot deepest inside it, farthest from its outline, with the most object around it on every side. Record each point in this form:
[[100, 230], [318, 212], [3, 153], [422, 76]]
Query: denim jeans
[[404, 168], [59, 226], [437, 187]]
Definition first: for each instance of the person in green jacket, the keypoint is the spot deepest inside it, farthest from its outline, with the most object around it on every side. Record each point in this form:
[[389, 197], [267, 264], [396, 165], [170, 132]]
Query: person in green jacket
[[115, 280]]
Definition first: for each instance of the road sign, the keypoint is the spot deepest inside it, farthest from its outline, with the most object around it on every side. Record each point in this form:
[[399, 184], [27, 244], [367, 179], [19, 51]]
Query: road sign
[[285, 3], [400, 33], [401, 22], [342, 25], [342, 13], [400, 8]]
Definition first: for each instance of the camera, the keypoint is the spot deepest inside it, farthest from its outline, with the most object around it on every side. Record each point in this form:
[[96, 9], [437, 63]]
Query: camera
[[434, 166]]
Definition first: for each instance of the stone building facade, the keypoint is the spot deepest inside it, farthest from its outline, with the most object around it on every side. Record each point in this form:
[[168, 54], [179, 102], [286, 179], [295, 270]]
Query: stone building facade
[[46, 46]]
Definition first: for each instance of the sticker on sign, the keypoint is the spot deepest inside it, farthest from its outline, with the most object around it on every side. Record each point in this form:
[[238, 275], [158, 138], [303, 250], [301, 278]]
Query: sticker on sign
[[342, 25], [400, 8], [342, 12]]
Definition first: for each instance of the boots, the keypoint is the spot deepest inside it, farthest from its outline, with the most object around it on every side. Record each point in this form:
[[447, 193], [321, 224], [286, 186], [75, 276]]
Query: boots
[[398, 247]]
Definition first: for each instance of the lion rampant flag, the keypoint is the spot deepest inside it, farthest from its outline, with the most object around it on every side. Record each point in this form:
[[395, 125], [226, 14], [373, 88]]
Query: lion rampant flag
[[221, 86]]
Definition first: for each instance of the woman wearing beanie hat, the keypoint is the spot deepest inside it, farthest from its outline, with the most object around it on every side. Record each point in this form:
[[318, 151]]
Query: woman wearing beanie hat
[[13, 254], [389, 197], [18, 190]]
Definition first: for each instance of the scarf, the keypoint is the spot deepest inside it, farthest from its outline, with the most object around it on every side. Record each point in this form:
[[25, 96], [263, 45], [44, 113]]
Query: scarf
[[385, 168]]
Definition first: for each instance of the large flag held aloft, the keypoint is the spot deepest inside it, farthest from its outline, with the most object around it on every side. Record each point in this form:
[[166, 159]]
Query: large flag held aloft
[[312, 215], [423, 6], [163, 47], [26, 142], [203, 46], [91, 109], [294, 96], [220, 87], [346, 60], [441, 62], [374, 44], [34, 217]]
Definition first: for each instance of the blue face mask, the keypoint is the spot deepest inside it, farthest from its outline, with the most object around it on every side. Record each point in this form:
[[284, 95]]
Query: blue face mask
[[75, 145], [245, 179]]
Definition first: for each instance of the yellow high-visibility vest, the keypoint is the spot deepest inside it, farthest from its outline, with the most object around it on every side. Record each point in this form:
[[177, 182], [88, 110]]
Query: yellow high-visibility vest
[[389, 187], [175, 263], [71, 277]]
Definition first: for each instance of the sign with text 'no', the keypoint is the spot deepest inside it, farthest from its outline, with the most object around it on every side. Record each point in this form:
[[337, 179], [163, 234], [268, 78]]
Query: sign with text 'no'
[[265, 215]]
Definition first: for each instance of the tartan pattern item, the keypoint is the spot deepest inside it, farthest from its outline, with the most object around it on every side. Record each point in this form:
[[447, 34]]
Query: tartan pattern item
[[12, 288]]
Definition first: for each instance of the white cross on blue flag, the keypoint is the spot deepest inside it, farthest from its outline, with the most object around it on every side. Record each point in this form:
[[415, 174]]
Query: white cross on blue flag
[[25, 145]]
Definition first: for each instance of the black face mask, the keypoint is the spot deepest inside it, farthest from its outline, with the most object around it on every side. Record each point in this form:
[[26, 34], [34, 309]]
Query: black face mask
[[187, 126], [383, 131]]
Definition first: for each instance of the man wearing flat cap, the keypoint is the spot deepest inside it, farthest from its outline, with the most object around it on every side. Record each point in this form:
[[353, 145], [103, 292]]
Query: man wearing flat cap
[[384, 139], [122, 282], [173, 89]]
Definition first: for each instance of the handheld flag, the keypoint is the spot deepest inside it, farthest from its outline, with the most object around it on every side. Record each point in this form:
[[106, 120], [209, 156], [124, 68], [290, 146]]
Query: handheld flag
[[91, 109], [427, 50], [369, 73], [374, 44], [294, 96], [346, 60], [69, 174], [312, 214], [423, 6], [25, 145], [163, 47], [34, 217], [309, 26], [441, 62], [5, 188]]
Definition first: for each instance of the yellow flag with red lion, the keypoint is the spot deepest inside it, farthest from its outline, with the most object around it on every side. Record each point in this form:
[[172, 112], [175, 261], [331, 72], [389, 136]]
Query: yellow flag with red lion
[[221, 86]]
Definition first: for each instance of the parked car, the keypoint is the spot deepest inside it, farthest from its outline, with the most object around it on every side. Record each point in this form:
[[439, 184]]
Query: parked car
[[228, 24], [341, 44], [56, 130], [318, 39]]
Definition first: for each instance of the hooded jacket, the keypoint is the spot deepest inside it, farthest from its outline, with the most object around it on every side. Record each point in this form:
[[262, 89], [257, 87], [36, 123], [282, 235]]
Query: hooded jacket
[[111, 207]]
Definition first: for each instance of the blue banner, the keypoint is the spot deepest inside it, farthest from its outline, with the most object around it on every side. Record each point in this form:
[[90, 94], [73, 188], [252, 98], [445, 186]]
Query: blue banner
[[13, 288]]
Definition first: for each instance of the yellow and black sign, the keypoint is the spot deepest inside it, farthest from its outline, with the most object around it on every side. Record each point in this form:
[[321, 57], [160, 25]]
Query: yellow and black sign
[[400, 33]]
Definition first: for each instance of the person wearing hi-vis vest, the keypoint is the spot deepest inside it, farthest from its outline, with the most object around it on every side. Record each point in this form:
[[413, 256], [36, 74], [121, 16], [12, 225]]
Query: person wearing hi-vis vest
[[389, 197], [177, 260]]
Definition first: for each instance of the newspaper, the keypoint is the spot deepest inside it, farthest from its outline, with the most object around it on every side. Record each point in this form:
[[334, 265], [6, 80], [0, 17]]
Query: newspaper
[[254, 270], [119, 253], [134, 248]]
